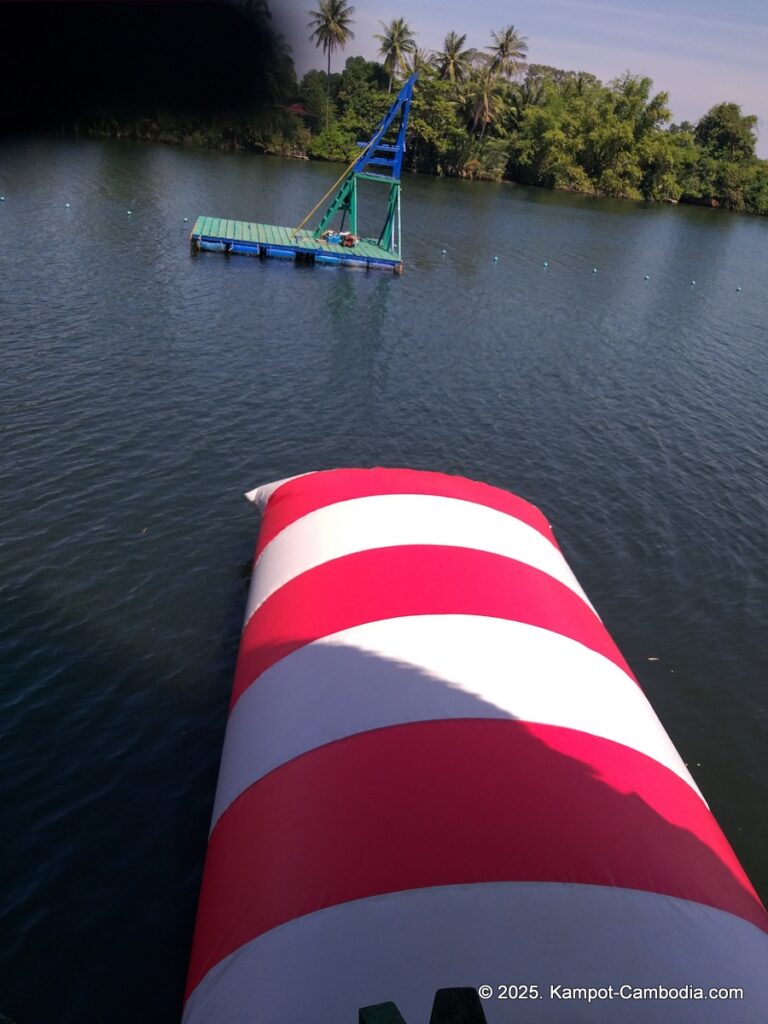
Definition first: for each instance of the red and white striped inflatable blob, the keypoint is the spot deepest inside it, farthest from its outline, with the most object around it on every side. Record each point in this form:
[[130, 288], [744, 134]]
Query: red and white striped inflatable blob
[[440, 771]]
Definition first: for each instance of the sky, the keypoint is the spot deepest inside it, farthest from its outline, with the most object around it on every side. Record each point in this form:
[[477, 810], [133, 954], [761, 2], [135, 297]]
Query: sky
[[701, 53]]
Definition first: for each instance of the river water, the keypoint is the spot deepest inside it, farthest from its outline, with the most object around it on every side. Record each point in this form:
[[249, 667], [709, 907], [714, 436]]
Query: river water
[[143, 390]]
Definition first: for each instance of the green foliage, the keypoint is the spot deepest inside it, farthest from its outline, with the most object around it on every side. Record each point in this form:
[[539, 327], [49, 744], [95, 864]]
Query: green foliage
[[313, 89], [361, 98], [726, 172], [333, 143], [483, 160], [578, 80], [274, 132], [475, 115], [726, 133], [757, 188], [668, 159], [568, 131], [435, 136]]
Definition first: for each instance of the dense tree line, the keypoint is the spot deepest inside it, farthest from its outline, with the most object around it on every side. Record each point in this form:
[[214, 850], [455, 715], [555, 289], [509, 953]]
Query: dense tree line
[[487, 114]]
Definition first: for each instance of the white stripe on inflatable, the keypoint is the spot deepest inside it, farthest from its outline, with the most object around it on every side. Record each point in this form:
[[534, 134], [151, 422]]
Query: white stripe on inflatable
[[427, 667], [319, 969], [391, 520], [259, 496]]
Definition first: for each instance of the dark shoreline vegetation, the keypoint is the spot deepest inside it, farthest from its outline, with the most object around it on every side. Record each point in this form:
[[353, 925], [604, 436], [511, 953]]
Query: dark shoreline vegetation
[[481, 114]]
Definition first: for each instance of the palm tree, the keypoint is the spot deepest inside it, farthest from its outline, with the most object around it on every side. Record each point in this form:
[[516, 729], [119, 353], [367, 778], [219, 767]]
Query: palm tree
[[530, 94], [452, 61], [480, 98], [578, 83], [331, 28], [420, 61], [508, 51], [396, 42]]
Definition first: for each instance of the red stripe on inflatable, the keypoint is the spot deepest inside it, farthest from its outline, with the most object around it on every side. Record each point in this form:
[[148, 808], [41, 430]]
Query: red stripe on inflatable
[[442, 803], [297, 498], [386, 583]]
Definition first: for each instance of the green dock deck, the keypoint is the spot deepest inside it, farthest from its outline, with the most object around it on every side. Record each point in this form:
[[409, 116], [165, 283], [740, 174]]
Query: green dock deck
[[242, 237]]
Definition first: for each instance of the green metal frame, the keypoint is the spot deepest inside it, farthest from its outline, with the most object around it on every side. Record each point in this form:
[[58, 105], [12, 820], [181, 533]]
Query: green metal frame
[[378, 153], [344, 200]]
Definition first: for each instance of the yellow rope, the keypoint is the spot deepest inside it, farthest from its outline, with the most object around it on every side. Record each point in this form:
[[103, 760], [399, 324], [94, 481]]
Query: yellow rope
[[333, 186]]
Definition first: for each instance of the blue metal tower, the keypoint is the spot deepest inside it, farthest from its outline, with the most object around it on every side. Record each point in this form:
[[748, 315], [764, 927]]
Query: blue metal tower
[[377, 154]]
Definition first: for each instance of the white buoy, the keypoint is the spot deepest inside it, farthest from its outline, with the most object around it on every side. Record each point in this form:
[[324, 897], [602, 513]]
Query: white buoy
[[2, 199], [444, 251], [594, 270], [646, 278], [66, 204], [495, 259], [738, 288], [546, 264], [186, 220], [693, 282], [129, 212]]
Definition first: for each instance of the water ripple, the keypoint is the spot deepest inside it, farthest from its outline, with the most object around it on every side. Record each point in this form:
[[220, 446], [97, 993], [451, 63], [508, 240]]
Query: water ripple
[[142, 390]]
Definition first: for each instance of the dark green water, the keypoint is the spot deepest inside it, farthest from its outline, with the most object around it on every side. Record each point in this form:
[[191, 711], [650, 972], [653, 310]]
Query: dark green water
[[142, 390]]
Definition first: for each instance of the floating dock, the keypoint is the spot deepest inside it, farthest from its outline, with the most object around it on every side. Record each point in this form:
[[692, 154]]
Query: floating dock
[[379, 163], [241, 237]]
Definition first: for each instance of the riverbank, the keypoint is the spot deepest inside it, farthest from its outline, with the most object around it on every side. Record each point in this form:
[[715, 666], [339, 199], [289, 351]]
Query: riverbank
[[279, 133]]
